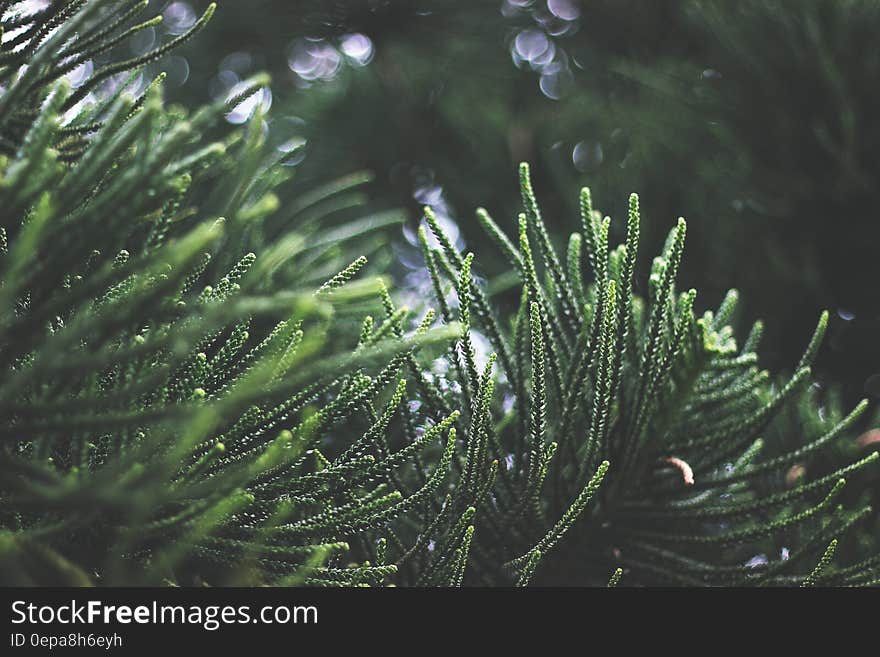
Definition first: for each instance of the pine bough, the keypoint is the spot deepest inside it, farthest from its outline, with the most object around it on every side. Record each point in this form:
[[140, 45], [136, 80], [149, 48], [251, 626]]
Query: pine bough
[[627, 438], [164, 390]]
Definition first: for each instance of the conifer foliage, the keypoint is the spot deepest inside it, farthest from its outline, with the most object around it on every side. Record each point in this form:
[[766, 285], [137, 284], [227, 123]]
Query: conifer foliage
[[164, 388], [628, 439], [186, 398]]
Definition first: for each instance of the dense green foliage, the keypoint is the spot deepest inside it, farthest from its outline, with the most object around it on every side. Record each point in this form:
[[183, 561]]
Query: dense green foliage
[[159, 420], [633, 424], [196, 390]]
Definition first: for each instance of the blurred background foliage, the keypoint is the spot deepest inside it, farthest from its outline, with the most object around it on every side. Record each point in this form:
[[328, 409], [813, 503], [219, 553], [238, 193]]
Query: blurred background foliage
[[754, 119]]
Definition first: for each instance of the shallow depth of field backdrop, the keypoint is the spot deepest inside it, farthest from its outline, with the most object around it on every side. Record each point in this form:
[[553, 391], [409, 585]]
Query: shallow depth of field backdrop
[[754, 119]]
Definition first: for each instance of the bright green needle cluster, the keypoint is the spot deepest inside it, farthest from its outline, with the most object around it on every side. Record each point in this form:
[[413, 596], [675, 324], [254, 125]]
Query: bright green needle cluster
[[174, 367]]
